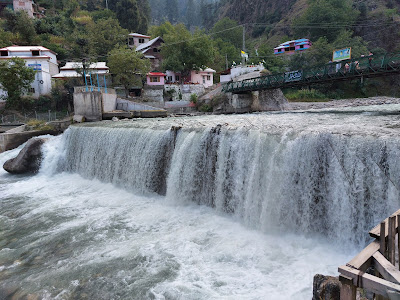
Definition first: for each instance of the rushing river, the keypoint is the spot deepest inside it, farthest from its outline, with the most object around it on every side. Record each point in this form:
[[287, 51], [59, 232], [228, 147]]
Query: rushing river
[[212, 207]]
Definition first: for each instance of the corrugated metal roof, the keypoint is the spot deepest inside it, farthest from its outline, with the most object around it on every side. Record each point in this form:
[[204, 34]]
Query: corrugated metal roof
[[148, 44]]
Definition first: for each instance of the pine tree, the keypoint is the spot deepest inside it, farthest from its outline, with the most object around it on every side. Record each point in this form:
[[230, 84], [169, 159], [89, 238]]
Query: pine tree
[[171, 9]]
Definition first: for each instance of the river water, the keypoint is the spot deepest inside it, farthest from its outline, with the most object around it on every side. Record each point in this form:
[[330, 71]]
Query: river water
[[218, 207]]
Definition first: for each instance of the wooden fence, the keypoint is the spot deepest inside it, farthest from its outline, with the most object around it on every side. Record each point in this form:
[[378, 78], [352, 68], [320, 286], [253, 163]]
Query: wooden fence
[[383, 255]]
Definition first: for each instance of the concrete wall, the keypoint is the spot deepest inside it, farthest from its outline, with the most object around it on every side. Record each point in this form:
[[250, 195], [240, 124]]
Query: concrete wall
[[89, 105], [185, 90], [153, 93], [128, 105], [109, 102]]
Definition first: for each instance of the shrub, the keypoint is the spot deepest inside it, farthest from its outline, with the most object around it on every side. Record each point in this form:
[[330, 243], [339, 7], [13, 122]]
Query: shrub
[[193, 98], [205, 108], [306, 95]]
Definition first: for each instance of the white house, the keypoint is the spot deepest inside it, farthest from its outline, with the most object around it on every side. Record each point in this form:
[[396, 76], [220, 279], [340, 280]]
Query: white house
[[204, 77], [137, 39], [41, 59], [74, 70], [235, 71]]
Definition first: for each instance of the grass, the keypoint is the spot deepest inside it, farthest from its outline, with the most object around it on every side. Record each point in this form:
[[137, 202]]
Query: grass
[[39, 125]]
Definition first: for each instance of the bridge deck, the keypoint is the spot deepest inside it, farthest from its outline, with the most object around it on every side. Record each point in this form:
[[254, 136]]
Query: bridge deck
[[343, 70]]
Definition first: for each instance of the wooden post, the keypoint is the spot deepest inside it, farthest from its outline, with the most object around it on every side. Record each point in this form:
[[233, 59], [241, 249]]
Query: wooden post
[[398, 237], [347, 290], [382, 239], [391, 239]]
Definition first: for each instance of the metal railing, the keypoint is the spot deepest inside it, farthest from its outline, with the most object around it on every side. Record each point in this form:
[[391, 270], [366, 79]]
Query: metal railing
[[368, 66], [25, 117]]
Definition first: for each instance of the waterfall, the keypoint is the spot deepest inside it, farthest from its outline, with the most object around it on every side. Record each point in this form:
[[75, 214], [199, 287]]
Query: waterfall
[[310, 182]]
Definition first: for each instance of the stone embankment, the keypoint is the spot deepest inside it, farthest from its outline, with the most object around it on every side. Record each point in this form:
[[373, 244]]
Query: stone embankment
[[343, 103]]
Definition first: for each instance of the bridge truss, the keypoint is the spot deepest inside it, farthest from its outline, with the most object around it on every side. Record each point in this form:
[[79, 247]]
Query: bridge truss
[[369, 66]]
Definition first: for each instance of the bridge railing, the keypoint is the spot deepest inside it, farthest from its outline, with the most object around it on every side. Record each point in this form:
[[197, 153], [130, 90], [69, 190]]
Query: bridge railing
[[374, 269], [342, 70]]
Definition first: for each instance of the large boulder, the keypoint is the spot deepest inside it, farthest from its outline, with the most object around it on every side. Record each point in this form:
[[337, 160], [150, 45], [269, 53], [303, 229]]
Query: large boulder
[[28, 159], [326, 288]]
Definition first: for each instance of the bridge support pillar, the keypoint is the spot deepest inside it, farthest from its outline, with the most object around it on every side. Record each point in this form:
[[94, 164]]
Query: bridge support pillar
[[269, 100], [242, 102]]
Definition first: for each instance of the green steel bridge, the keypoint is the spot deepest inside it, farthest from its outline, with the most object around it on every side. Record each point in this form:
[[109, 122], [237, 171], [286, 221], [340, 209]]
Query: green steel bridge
[[362, 67]]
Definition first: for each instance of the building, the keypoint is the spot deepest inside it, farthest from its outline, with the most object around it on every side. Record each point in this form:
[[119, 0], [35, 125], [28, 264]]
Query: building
[[137, 39], [236, 71], [204, 77], [152, 51], [155, 78], [75, 70], [292, 47], [41, 59], [26, 5]]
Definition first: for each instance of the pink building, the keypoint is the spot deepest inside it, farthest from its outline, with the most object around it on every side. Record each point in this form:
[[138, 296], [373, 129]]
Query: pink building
[[136, 39], [292, 47], [155, 78], [204, 77]]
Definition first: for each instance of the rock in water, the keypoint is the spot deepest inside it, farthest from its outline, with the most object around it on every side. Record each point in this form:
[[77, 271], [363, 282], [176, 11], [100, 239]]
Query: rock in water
[[326, 288], [28, 159]]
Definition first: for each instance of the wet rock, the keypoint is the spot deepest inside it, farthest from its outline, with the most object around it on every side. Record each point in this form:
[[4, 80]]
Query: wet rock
[[28, 159], [326, 288], [79, 118]]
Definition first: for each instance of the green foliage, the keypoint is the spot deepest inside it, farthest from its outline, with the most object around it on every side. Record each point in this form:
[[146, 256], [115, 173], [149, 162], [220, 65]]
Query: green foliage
[[321, 12], [15, 78], [228, 31], [193, 98], [162, 30], [206, 108], [21, 25], [273, 63], [184, 51], [104, 35], [132, 15], [305, 95], [128, 67]]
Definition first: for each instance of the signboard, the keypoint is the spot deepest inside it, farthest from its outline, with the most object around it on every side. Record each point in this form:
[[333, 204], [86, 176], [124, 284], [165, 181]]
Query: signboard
[[341, 54], [294, 76], [35, 67]]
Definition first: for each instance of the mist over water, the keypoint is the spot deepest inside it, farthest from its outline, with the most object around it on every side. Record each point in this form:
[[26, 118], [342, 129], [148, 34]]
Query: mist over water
[[214, 207]]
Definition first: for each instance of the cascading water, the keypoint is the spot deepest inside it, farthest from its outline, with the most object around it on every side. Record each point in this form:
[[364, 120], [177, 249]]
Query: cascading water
[[296, 182]]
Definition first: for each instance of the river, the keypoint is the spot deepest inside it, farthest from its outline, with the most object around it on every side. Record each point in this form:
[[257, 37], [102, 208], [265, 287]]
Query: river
[[218, 207]]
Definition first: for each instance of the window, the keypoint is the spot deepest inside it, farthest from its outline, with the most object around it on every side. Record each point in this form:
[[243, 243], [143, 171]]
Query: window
[[4, 53], [169, 78], [287, 49], [141, 41], [292, 48], [35, 52], [301, 46], [208, 77], [204, 79], [155, 50], [131, 42], [32, 90], [154, 79], [177, 78]]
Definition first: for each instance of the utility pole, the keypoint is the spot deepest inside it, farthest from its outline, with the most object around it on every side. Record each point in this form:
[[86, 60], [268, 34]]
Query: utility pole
[[244, 44], [226, 60]]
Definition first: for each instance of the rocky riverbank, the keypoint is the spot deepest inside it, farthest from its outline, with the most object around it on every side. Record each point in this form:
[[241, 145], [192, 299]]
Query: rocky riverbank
[[343, 103]]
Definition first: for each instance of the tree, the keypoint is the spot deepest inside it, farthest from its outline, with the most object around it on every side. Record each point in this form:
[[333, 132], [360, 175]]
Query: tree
[[128, 67], [336, 13], [15, 78], [228, 31], [104, 35], [184, 51], [171, 9]]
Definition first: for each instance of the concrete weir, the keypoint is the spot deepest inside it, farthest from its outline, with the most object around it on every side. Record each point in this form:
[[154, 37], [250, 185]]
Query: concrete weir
[[96, 106]]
